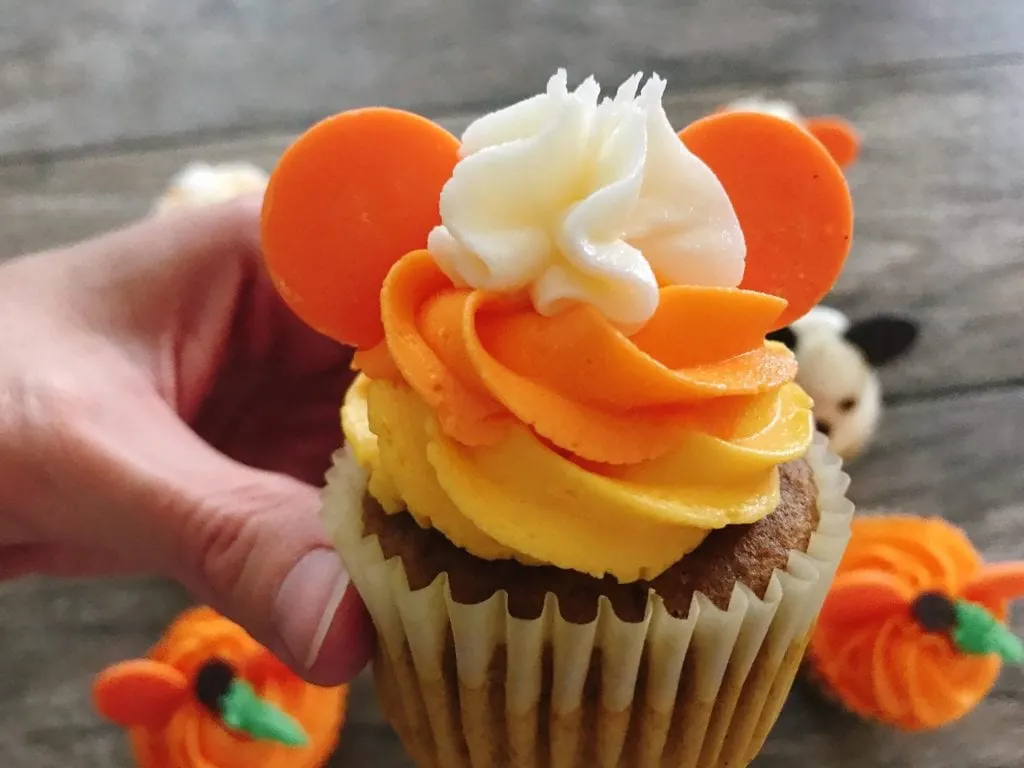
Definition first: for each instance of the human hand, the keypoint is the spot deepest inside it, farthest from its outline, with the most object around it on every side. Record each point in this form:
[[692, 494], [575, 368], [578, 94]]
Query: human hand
[[162, 411]]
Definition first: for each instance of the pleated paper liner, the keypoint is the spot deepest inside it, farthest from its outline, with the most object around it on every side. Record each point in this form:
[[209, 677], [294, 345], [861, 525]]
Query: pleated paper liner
[[470, 686]]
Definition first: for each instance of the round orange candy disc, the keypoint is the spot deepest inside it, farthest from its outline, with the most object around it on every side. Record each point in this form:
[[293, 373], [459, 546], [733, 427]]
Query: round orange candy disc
[[791, 199], [347, 200]]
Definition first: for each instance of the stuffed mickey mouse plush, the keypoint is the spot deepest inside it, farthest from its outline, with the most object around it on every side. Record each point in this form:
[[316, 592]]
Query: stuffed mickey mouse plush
[[838, 362]]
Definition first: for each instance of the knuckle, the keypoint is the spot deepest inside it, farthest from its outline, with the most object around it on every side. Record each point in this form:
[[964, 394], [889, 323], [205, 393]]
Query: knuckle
[[219, 532], [233, 538]]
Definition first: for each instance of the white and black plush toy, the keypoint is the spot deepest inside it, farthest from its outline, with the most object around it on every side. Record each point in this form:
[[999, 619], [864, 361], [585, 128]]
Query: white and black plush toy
[[838, 362]]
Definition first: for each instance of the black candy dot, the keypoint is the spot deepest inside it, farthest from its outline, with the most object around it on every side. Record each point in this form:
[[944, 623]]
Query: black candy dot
[[211, 682], [934, 611]]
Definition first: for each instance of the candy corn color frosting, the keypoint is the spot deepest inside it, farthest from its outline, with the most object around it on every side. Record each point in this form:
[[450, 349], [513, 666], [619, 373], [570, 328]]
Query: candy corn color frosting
[[209, 696], [837, 135], [561, 321], [911, 633]]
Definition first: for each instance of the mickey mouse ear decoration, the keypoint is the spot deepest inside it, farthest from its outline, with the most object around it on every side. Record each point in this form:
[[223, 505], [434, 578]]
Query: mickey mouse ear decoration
[[348, 199], [361, 189], [791, 199]]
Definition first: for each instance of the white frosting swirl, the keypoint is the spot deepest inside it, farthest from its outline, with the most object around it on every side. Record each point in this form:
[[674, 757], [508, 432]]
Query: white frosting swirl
[[580, 199]]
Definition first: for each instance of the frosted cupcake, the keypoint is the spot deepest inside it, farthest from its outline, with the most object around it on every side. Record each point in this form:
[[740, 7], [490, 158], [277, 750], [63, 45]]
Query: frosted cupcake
[[912, 633], [581, 495]]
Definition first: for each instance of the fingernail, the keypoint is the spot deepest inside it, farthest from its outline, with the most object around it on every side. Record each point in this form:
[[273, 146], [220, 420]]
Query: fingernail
[[307, 602], [326, 620]]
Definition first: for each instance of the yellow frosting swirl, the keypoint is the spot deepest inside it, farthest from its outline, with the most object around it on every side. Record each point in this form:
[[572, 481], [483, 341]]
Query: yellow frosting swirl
[[519, 498]]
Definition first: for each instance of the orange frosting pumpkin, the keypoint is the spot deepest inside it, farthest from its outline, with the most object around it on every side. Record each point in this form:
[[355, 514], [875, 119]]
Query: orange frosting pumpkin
[[910, 634], [172, 723]]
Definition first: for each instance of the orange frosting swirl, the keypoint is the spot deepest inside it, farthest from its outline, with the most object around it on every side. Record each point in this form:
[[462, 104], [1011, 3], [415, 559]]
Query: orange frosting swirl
[[482, 361], [640, 445], [171, 729], [869, 650]]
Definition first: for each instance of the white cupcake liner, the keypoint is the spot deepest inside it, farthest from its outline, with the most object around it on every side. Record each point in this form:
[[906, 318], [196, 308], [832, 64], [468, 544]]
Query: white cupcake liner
[[471, 686]]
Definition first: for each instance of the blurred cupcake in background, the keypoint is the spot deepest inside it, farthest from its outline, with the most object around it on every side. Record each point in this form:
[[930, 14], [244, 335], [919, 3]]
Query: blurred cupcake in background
[[199, 184]]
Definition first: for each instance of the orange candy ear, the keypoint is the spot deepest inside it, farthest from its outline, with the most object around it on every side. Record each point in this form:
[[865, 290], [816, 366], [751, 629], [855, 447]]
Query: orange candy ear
[[791, 199], [348, 199], [139, 693], [839, 137], [862, 596]]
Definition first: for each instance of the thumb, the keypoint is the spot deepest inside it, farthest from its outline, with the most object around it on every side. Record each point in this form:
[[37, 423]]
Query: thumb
[[253, 547], [248, 542]]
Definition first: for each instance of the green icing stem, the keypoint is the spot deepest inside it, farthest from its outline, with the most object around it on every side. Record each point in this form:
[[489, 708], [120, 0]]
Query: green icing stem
[[978, 632], [242, 710]]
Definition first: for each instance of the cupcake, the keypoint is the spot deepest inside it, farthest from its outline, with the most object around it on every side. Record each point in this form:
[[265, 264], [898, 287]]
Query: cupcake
[[581, 495], [199, 184], [837, 135], [209, 696], [912, 633]]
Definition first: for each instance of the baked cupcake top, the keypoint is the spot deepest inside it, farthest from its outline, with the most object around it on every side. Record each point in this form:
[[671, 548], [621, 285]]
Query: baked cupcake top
[[561, 320], [209, 696], [912, 632], [837, 135]]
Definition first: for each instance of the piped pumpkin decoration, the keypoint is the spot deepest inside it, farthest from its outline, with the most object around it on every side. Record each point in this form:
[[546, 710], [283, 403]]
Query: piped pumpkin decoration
[[912, 633], [345, 224], [209, 696]]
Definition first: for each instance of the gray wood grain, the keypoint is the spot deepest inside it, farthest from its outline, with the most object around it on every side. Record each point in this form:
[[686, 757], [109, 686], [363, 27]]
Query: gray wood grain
[[101, 101], [956, 457], [101, 71], [937, 193]]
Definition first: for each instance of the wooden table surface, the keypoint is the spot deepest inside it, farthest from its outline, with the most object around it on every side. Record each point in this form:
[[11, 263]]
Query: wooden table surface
[[102, 100]]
